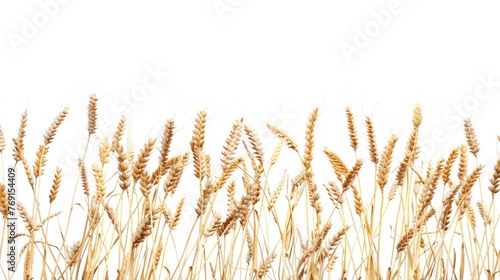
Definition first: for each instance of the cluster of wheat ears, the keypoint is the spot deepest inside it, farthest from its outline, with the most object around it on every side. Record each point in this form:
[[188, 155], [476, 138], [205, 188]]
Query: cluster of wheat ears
[[249, 221]]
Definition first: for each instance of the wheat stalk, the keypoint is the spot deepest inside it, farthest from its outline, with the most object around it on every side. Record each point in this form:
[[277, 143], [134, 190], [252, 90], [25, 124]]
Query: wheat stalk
[[385, 162], [118, 135], [353, 136], [145, 228], [4, 204], [471, 137], [83, 175], [19, 142], [372, 142], [174, 222], [92, 114], [2, 140], [123, 168], [449, 164], [197, 143], [261, 231], [56, 184], [495, 180], [338, 165], [283, 136], [351, 175], [139, 168]]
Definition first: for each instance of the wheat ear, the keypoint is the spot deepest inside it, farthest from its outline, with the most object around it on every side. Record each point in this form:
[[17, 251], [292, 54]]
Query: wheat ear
[[353, 136], [372, 142], [56, 184], [197, 143], [2, 140], [92, 114], [51, 131], [19, 142], [495, 179], [471, 137], [385, 162]]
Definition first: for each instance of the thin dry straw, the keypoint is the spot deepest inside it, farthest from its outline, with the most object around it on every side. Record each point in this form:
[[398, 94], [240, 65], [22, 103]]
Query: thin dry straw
[[92, 114]]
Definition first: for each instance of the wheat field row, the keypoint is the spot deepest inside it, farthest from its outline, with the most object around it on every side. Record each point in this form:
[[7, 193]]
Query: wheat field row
[[246, 212]]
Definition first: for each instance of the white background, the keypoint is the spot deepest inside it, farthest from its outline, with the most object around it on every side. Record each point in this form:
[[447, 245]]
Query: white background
[[266, 61]]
